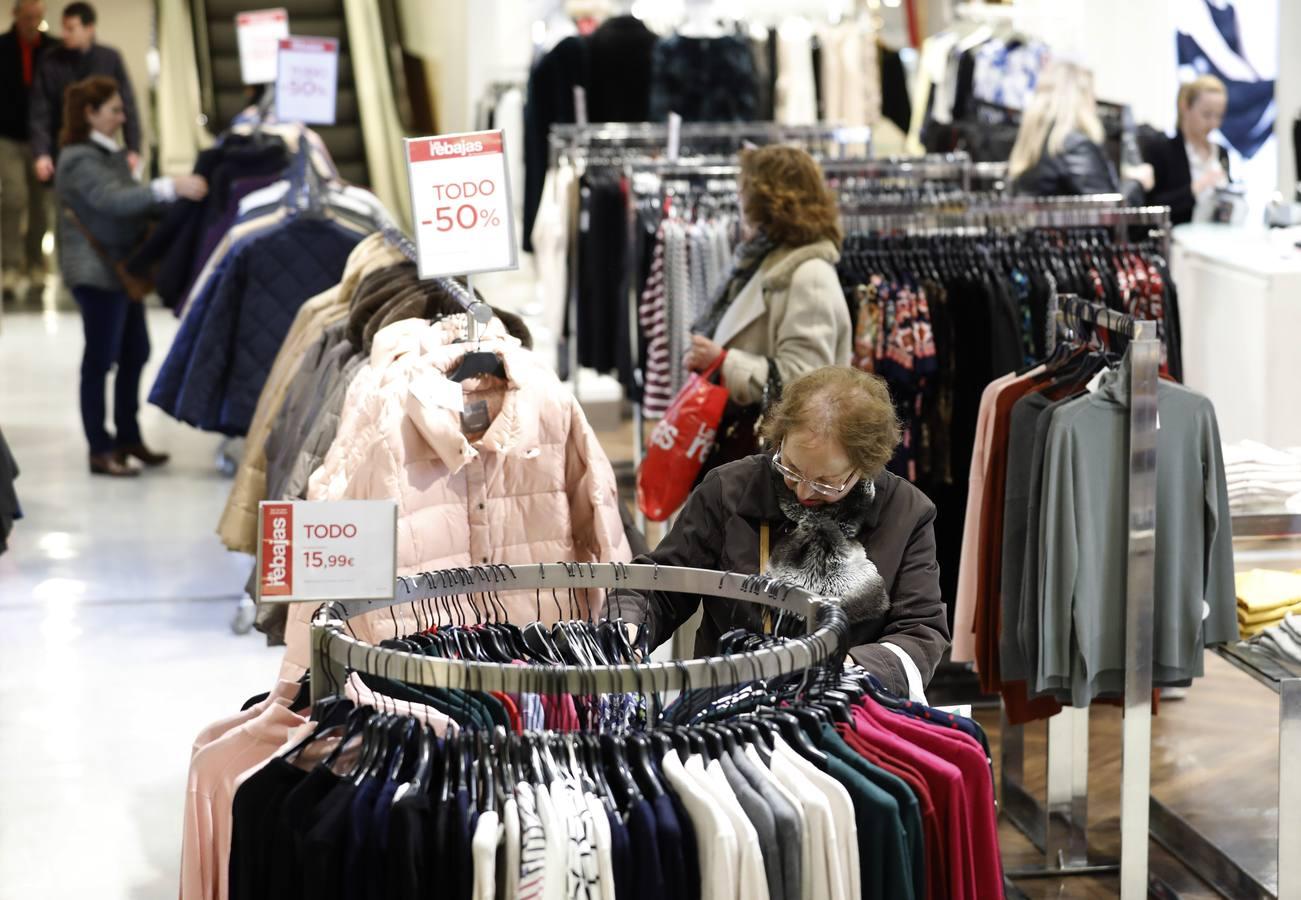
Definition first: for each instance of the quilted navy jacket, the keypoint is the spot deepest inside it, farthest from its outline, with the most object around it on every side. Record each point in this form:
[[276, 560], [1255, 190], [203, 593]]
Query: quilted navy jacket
[[220, 359]]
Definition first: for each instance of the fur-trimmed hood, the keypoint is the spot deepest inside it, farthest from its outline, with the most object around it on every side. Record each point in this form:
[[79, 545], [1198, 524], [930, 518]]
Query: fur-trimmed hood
[[817, 556]]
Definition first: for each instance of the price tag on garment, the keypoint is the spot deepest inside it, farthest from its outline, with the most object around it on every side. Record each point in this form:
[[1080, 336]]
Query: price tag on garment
[[341, 550], [258, 33], [460, 198], [307, 80]]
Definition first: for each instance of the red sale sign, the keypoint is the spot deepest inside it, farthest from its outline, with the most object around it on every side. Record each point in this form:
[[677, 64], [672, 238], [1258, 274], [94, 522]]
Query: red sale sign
[[341, 550], [461, 201], [307, 80], [276, 572], [258, 33]]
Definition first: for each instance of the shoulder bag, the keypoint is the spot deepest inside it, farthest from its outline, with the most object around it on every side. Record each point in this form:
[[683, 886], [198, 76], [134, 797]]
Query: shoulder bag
[[135, 286]]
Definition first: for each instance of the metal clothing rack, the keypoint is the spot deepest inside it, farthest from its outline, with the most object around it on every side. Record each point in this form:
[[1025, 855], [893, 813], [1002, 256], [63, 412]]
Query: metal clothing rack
[[619, 145], [477, 312], [1059, 826], [586, 143], [334, 653], [955, 167]]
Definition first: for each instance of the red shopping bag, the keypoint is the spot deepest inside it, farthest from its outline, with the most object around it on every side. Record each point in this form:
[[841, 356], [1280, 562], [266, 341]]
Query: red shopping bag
[[680, 443]]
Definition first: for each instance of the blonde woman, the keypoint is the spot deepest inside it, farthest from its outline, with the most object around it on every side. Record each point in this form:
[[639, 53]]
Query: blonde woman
[[1189, 166], [1058, 148]]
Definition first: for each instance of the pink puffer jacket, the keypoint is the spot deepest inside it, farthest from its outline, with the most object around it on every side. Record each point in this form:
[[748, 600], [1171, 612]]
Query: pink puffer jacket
[[535, 487]]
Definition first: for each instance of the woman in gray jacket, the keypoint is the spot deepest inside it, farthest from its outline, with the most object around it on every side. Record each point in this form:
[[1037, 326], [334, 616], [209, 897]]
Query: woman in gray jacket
[[103, 215], [781, 312]]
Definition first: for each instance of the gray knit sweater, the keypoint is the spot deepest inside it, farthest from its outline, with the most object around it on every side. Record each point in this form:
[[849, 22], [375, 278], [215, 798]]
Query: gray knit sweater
[[97, 185]]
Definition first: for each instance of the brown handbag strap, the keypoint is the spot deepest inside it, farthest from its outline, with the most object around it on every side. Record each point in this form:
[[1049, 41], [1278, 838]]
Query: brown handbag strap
[[764, 539], [90, 238]]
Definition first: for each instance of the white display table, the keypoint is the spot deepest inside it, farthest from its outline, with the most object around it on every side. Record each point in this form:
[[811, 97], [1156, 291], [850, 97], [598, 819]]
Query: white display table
[[1240, 311]]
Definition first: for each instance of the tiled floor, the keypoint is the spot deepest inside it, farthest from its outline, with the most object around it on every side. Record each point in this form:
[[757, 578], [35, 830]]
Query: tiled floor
[[115, 644]]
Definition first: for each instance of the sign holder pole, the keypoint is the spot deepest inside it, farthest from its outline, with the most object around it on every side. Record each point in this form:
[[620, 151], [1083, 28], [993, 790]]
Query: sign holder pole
[[471, 325]]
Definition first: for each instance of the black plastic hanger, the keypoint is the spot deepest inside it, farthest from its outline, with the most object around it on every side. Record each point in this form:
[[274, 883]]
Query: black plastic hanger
[[639, 752], [797, 737], [478, 363], [426, 757]]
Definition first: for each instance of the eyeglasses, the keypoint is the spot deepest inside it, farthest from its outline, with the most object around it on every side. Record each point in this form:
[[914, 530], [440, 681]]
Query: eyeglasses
[[828, 490]]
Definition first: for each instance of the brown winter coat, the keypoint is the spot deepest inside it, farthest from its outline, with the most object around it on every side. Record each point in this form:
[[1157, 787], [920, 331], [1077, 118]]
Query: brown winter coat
[[719, 529]]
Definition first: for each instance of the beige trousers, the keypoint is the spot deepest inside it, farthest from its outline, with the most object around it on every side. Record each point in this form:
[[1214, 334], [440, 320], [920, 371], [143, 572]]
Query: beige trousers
[[24, 208]]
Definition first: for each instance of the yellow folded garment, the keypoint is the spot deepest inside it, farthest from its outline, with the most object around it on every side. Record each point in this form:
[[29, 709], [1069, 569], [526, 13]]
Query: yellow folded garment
[[1266, 615], [1246, 631], [1267, 589], [1261, 618]]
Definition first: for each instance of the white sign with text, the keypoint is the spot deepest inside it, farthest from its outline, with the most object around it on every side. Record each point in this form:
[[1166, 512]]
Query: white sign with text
[[258, 33], [460, 199], [307, 80], [340, 550]]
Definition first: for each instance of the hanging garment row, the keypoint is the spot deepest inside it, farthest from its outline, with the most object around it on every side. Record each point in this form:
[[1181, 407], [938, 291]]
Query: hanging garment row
[[795, 73], [1041, 588], [287, 242], [580, 234], [358, 406], [686, 226], [243, 160], [805, 784], [966, 65], [941, 315]]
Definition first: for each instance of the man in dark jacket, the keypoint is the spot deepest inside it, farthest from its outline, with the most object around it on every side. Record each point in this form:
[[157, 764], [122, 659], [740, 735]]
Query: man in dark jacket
[[78, 58], [24, 202]]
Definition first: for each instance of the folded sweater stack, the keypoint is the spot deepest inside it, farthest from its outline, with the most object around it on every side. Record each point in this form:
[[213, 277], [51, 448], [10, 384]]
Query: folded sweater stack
[[1282, 641], [1262, 479], [1265, 597]]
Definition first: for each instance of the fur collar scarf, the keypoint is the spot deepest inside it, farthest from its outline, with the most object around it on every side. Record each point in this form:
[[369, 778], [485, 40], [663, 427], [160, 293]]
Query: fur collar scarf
[[823, 554]]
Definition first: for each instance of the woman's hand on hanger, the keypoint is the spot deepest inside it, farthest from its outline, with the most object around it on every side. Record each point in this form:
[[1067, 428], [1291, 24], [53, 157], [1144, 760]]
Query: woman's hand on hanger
[[701, 353]]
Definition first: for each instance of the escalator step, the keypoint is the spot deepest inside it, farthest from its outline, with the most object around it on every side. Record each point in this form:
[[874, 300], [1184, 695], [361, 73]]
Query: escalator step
[[317, 18]]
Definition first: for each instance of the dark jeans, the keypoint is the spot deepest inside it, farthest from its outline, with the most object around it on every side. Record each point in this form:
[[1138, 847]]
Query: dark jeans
[[115, 335]]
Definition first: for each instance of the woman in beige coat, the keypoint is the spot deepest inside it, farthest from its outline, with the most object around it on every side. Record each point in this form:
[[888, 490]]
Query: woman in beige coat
[[781, 312]]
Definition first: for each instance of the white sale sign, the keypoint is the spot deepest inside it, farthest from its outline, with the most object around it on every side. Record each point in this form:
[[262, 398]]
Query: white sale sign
[[258, 33], [460, 198], [307, 80], [340, 550]]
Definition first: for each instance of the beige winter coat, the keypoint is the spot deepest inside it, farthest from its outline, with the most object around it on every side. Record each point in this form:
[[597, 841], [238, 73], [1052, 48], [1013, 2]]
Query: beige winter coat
[[535, 487], [794, 311], [238, 525]]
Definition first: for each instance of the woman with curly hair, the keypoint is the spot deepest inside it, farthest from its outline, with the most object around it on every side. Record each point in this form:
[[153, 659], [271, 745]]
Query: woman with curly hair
[[818, 510], [781, 311]]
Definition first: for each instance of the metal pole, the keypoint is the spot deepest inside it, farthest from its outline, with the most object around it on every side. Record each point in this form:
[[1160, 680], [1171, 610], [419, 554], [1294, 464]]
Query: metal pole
[[1289, 788], [1135, 788]]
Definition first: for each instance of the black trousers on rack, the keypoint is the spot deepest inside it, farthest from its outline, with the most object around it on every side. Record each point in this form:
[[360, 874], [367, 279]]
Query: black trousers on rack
[[602, 244]]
